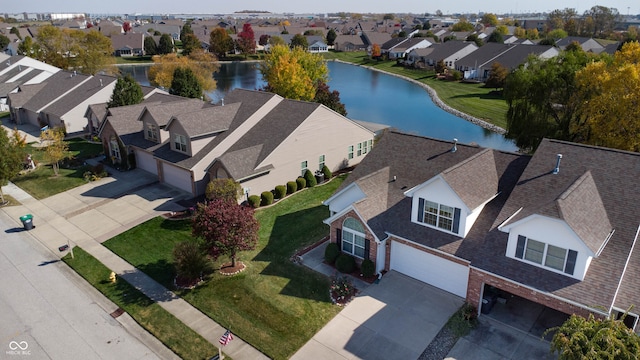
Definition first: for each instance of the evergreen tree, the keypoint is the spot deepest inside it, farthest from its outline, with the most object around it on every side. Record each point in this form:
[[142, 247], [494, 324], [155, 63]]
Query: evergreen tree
[[185, 84], [190, 43], [331, 37], [126, 92], [150, 47], [186, 30], [166, 45], [299, 41]]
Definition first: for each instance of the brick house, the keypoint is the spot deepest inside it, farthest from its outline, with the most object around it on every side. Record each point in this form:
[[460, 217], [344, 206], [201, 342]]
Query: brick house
[[557, 230]]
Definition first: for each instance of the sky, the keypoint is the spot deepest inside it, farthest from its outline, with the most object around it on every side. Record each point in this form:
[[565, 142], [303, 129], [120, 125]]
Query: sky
[[303, 7]]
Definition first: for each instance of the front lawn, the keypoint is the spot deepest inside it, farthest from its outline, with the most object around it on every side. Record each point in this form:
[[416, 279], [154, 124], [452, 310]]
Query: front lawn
[[472, 99], [274, 305], [41, 182], [159, 322]]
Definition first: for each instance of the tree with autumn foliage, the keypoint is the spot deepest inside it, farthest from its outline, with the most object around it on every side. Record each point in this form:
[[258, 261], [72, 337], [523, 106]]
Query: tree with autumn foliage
[[190, 43], [226, 228], [497, 76], [220, 42], [376, 51], [607, 98], [126, 26], [56, 149], [330, 99], [202, 64], [11, 157], [246, 40]]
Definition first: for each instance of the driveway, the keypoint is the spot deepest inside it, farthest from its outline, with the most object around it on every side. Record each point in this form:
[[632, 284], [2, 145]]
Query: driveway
[[394, 319]]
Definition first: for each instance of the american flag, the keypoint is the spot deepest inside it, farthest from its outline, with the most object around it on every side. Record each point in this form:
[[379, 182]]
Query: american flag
[[226, 338]]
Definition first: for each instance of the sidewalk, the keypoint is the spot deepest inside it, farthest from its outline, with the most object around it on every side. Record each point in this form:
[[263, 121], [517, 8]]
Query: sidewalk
[[90, 214]]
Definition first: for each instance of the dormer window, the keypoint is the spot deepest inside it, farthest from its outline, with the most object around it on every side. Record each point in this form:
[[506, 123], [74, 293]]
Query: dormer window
[[180, 143], [152, 132], [439, 215], [547, 255]]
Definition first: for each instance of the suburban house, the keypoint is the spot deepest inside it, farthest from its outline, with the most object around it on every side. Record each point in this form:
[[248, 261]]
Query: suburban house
[[477, 65], [21, 70], [557, 228], [130, 44], [397, 48], [318, 47], [256, 138], [349, 43], [449, 52]]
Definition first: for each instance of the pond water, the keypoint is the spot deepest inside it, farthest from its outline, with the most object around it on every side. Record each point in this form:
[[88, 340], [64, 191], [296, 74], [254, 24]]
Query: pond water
[[369, 96]]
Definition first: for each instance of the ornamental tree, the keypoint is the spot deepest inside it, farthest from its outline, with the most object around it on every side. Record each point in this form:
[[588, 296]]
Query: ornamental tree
[[246, 40], [126, 26], [11, 156], [56, 148], [190, 44], [226, 189], [226, 228]]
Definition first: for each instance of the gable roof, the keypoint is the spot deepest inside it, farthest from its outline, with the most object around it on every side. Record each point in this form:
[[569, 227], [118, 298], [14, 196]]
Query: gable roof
[[55, 86], [474, 180], [206, 121], [79, 95], [129, 40], [484, 54], [162, 113], [25, 93], [444, 50]]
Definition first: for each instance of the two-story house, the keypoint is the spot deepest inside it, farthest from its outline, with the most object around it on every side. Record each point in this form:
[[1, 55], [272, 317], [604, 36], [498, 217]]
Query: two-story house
[[558, 228]]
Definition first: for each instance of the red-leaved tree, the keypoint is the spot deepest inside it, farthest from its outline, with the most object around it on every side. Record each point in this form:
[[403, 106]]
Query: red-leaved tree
[[226, 228], [126, 26], [246, 40]]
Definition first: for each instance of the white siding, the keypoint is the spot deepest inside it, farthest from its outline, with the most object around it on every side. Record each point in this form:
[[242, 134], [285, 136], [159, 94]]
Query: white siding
[[177, 177], [74, 120], [439, 191], [146, 162]]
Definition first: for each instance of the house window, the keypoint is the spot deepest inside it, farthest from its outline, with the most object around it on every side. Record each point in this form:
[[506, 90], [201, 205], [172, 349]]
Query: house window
[[353, 241], [114, 150], [180, 143], [350, 152], [303, 168], [152, 132], [438, 215], [359, 149], [547, 255], [365, 147], [320, 162]]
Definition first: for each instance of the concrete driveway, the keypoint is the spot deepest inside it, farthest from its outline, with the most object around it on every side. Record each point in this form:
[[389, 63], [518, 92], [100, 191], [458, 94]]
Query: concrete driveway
[[395, 319]]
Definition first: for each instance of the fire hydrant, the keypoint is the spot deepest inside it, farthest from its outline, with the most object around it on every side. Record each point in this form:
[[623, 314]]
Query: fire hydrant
[[112, 277]]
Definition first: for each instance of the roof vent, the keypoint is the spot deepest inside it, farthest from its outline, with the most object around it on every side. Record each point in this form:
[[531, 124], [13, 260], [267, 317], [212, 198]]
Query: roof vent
[[395, 178], [454, 148], [74, 73], [222, 101], [100, 82], [19, 67], [557, 168]]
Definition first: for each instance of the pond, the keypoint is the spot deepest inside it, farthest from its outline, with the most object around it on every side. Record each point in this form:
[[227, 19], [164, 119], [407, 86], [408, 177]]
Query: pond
[[369, 96]]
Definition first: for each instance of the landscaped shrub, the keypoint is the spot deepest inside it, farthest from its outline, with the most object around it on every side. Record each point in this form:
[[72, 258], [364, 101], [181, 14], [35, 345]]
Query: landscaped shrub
[[254, 201], [266, 198], [456, 75], [331, 253], [327, 173], [280, 191], [292, 187], [368, 268], [190, 262], [301, 182], [310, 178], [345, 263]]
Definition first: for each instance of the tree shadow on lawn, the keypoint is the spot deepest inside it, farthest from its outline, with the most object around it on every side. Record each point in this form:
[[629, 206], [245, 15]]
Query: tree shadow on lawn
[[161, 271], [483, 96], [290, 233]]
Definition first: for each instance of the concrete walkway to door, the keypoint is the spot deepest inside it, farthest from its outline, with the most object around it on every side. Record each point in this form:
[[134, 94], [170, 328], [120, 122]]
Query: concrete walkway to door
[[394, 319]]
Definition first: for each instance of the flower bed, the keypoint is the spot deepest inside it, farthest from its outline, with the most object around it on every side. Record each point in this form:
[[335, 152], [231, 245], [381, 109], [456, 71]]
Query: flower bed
[[341, 290]]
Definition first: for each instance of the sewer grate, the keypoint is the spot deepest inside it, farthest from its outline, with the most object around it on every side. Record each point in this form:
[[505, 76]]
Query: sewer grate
[[117, 313]]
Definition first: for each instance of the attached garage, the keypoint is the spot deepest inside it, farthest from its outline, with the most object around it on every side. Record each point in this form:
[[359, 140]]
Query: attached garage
[[178, 177], [433, 270], [146, 162]]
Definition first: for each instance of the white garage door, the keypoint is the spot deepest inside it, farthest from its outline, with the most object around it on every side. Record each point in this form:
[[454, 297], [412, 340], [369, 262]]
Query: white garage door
[[146, 162], [177, 177], [431, 269]]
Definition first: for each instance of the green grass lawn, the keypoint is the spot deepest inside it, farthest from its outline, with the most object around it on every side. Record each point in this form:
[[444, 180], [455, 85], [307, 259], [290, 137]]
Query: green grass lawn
[[42, 182], [472, 99], [274, 305], [159, 322]]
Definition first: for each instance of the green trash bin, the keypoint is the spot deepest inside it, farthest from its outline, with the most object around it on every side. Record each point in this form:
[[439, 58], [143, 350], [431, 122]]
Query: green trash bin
[[27, 221]]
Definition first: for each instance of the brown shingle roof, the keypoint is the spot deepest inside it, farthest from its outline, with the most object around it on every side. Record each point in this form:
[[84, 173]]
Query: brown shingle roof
[[206, 121], [475, 179]]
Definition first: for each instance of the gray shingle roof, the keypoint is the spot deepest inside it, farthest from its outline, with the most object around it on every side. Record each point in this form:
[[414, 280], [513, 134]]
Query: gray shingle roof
[[25, 94], [6, 88], [79, 95], [54, 86], [206, 121], [163, 112]]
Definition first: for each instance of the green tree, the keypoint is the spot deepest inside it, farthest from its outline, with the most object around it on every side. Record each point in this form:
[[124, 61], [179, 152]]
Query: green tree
[[14, 30], [497, 76], [475, 39], [503, 30], [226, 189], [299, 41], [185, 84], [220, 43], [29, 48], [330, 99], [602, 20], [579, 338], [440, 67], [495, 37], [126, 92], [11, 158], [462, 26], [226, 228], [165, 45], [150, 47], [190, 43], [276, 40], [557, 34], [331, 37], [93, 53], [489, 19], [4, 41], [186, 30], [539, 98], [246, 40], [56, 149], [293, 73], [520, 33]]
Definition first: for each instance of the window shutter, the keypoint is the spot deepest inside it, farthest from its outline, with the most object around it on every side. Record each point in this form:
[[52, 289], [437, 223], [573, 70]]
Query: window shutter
[[339, 238], [571, 262], [421, 210], [456, 220], [520, 247], [367, 246]]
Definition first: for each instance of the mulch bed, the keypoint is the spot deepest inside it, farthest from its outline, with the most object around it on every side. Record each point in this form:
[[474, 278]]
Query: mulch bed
[[344, 300], [177, 215], [184, 283], [228, 270]]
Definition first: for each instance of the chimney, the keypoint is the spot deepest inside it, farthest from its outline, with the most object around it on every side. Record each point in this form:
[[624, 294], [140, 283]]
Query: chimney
[[557, 168], [454, 148]]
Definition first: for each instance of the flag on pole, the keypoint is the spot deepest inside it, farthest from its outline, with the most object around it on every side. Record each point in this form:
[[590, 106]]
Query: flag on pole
[[226, 338]]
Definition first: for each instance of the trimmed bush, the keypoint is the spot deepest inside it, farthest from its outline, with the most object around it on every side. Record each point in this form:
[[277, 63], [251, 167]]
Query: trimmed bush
[[345, 263], [310, 178], [292, 187], [327, 173], [331, 253], [301, 182], [280, 192], [254, 201], [368, 268], [266, 198]]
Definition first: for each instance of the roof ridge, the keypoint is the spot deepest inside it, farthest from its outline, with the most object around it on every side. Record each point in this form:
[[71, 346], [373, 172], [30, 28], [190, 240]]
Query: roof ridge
[[575, 185], [467, 160]]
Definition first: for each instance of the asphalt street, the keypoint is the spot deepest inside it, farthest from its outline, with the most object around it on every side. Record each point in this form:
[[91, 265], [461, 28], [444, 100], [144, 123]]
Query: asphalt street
[[48, 312]]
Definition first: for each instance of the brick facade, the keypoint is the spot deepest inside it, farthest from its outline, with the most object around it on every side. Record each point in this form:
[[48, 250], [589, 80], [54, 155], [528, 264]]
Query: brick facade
[[477, 279], [337, 224]]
